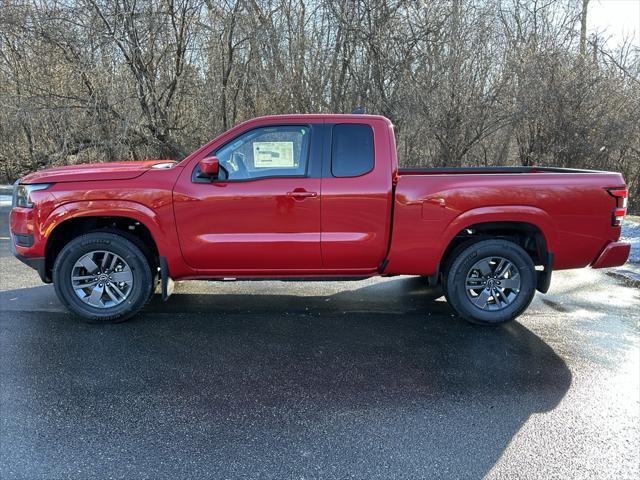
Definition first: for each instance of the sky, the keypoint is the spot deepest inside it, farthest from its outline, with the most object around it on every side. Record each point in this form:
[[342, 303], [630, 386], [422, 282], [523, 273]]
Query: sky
[[615, 19]]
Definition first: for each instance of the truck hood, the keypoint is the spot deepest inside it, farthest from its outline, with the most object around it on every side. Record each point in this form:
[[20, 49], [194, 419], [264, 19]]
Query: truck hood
[[95, 171]]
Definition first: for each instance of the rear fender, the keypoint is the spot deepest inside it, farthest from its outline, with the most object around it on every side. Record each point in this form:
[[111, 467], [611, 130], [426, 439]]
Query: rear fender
[[512, 213]]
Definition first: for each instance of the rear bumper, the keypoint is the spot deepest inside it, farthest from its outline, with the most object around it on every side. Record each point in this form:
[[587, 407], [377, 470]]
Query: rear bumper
[[613, 255]]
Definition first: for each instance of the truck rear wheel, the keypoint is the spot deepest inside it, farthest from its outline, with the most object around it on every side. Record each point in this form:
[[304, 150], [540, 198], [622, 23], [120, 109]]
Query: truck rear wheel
[[490, 282], [102, 277]]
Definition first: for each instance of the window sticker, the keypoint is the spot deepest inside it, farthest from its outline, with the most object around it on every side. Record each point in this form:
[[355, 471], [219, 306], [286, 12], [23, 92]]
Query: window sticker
[[273, 154]]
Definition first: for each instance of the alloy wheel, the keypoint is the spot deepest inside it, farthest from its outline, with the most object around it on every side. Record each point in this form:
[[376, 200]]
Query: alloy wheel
[[493, 283], [102, 279]]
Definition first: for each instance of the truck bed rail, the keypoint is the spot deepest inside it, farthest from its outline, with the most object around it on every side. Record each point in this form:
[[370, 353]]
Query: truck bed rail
[[488, 170]]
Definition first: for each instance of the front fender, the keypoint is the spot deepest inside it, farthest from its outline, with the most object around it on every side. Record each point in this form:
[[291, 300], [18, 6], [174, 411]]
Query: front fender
[[160, 224]]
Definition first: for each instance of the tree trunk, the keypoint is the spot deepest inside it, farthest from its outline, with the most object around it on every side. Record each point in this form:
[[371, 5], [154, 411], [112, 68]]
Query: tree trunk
[[583, 27]]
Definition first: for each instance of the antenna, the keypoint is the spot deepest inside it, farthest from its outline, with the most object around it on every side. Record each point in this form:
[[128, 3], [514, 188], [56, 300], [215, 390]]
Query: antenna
[[358, 111]]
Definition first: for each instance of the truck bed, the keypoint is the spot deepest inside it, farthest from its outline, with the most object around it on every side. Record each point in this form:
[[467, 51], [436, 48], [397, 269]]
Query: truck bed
[[571, 208]]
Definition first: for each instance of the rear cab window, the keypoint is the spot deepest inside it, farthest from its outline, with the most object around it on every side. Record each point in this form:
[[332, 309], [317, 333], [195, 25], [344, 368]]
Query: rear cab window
[[352, 151]]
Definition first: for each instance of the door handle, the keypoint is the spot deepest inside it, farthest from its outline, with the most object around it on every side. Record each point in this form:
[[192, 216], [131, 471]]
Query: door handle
[[301, 194]]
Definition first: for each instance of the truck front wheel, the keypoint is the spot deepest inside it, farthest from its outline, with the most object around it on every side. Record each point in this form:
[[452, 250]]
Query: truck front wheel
[[102, 277], [490, 282]]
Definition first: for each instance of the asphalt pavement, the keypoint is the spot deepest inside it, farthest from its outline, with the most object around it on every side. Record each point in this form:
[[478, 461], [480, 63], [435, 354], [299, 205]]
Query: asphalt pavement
[[292, 380]]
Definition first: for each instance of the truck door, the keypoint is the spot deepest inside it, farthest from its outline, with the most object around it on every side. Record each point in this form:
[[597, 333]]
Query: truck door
[[356, 195], [263, 214]]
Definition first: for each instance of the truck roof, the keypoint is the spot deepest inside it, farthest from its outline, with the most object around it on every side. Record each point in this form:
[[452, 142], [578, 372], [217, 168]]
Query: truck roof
[[320, 116]]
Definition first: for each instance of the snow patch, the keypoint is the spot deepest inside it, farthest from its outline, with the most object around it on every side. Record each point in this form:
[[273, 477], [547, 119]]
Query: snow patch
[[631, 234]]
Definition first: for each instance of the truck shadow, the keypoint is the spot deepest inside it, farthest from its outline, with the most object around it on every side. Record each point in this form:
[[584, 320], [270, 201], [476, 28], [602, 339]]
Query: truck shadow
[[398, 295], [377, 382]]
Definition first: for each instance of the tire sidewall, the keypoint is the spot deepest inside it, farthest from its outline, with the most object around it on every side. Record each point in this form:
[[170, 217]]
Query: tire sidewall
[[457, 275], [130, 253]]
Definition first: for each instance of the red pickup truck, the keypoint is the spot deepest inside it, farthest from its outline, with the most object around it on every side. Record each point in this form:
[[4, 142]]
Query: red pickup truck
[[312, 197]]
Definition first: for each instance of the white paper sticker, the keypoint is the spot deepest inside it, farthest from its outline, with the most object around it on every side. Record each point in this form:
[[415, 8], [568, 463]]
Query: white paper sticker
[[273, 154]]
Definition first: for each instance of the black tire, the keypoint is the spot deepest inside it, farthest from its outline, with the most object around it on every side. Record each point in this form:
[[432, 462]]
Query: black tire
[[142, 285], [151, 258], [462, 263], [149, 255]]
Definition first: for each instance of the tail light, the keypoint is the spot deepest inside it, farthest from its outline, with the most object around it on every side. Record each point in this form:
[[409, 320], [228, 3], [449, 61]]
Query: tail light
[[621, 195]]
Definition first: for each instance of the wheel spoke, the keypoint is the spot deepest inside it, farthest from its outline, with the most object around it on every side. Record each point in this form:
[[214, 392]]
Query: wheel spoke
[[82, 278], [484, 267], [113, 263], [500, 266], [505, 268], [498, 296], [104, 260], [108, 288], [124, 276], [512, 283], [117, 290], [507, 298], [481, 299], [88, 264], [96, 296]]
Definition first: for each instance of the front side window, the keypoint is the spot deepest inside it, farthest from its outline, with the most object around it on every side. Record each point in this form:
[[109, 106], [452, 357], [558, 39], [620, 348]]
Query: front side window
[[351, 150], [276, 151]]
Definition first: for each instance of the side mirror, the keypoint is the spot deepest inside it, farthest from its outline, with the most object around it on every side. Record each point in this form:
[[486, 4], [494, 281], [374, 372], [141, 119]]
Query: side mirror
[[209, 166]]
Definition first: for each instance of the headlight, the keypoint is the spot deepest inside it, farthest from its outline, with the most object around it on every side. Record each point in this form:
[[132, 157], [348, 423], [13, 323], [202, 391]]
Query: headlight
[[22, 193]]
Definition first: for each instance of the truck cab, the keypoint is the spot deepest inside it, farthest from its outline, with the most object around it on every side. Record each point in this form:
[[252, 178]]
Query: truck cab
[[295, 195]]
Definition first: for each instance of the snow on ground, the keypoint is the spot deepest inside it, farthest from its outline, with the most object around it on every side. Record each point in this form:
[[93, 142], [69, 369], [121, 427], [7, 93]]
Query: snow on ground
[[5, 195], [631, 234]]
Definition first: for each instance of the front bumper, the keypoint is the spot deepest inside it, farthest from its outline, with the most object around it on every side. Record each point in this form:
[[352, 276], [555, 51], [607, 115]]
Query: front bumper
[[37, 263], [26, 242], [614, 254]]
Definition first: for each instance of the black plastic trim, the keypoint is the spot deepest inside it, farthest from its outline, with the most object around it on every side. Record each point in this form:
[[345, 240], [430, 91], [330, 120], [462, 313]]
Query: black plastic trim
[[290, 279], [166, 282], [383, 265], [493, 170], [37, 263], [544, 277], [23, 239]]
